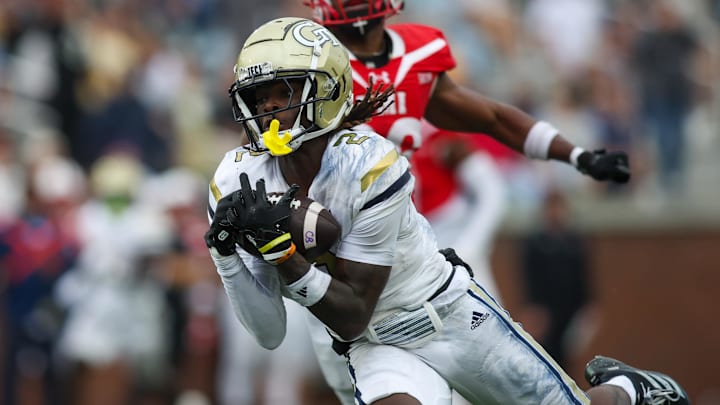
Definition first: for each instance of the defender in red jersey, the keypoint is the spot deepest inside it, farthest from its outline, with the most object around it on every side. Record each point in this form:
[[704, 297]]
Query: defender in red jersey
[[416, 57]]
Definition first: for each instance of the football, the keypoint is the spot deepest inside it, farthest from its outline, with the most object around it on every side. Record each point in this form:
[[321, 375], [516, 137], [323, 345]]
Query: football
[[312, 227]]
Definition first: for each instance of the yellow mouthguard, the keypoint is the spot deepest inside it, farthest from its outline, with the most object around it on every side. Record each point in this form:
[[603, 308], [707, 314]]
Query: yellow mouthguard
[[274, 142]]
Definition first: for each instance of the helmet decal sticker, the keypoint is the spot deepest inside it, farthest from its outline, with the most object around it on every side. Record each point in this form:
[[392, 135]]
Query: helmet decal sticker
[[322, 35], [262, 70]]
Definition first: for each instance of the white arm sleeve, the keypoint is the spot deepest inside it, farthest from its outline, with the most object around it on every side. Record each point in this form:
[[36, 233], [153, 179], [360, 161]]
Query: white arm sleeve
[[481, 179], [256, 299]]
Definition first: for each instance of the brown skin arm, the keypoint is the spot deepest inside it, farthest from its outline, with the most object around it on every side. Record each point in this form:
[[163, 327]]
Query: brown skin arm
[[351, 297], [457, 108]]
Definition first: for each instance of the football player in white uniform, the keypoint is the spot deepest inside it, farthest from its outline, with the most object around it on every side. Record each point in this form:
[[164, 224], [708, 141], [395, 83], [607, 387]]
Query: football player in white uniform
[[415, 59], [411, 322]]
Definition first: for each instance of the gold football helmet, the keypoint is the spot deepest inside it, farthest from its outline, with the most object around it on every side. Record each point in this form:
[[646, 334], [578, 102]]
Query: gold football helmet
[[292, 49]]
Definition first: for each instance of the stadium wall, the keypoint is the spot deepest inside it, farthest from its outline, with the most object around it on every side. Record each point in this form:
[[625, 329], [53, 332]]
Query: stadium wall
[[658, 295]]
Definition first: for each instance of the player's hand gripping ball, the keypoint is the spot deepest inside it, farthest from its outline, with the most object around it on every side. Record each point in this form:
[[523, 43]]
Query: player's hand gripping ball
[[276, 225], [313, 228], [263, 226]]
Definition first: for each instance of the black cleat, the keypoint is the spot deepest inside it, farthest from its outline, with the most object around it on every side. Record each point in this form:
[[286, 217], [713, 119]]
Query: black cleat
[[652, 388]]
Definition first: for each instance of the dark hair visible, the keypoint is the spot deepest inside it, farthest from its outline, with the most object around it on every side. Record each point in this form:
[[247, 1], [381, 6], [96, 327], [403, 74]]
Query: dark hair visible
[[371, 105]]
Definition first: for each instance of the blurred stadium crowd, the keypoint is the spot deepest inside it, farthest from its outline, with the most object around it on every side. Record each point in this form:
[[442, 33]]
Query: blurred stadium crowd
[[113, 114]]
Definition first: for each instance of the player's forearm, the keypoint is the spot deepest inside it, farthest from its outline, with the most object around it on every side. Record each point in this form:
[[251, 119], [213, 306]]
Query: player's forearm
[[535, 139], [543, 141], [256, 302], [334, 302], [343, 311], [457, 108]]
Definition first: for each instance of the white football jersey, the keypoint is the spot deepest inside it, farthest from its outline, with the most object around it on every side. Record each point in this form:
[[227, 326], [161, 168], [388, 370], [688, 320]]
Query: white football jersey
[[362, 175]]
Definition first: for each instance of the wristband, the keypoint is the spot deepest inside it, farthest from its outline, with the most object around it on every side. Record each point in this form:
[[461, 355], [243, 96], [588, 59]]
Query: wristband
[[277, 257], [576, 152], [310, 288], [539, 139]]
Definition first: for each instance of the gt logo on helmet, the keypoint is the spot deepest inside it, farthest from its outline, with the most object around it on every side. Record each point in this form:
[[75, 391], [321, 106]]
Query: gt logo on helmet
[[322, 35]]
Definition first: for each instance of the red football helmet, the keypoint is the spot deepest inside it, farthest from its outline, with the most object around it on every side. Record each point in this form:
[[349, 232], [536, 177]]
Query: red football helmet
[[343, 12]]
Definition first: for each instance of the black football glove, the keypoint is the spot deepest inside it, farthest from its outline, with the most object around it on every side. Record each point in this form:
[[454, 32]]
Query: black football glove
[[601, 165], [221, 235], [263, 224]]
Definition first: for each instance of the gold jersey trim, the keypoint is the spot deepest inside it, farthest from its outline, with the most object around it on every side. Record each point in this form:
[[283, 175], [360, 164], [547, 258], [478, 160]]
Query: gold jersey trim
[[215, 190], [369, 178]]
